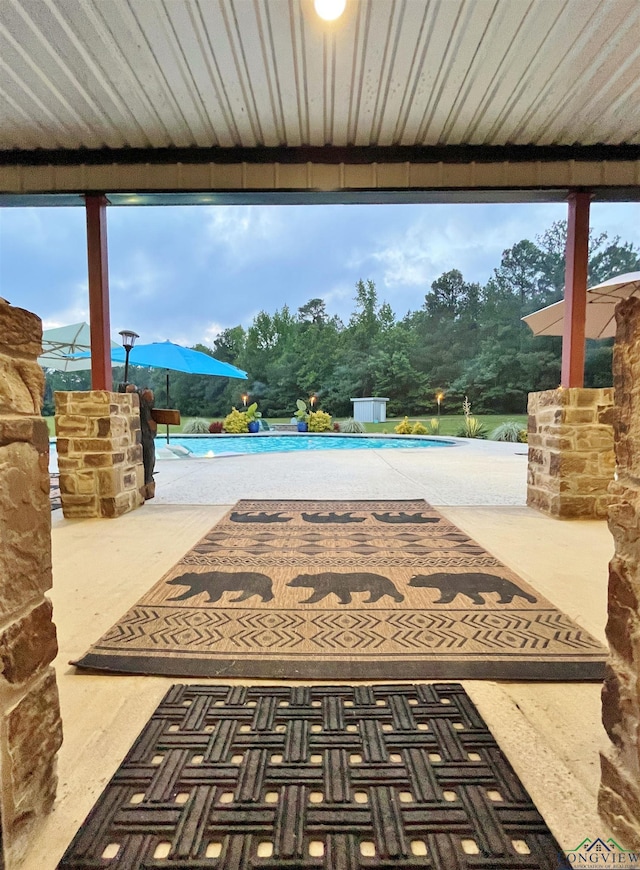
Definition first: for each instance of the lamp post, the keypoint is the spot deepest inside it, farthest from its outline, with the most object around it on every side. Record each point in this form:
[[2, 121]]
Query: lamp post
[[128, 340], [439, 398], [245, 399], [312, 402]]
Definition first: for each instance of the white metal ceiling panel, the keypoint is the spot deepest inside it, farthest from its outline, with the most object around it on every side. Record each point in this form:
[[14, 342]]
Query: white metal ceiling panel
[[223, 73]]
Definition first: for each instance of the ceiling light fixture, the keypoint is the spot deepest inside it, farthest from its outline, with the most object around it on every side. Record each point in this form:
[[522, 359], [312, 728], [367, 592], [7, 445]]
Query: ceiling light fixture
[[329, 10]]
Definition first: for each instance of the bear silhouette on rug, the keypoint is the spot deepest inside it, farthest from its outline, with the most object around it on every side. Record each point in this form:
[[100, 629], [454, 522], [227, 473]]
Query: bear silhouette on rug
[[405, 518], [259, 517], [343, 585], [332, 517], [473, 585], [216, 583]]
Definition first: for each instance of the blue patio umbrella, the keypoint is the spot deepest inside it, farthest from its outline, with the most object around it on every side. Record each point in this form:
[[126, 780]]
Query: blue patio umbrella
[[173, 357]]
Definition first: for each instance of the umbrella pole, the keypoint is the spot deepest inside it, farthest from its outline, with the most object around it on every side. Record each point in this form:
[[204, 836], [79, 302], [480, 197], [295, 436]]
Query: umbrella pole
[[167, 405]]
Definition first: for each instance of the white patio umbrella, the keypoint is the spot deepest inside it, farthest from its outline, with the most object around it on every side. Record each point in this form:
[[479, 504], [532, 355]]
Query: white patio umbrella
[[59, 342], [601, 304]]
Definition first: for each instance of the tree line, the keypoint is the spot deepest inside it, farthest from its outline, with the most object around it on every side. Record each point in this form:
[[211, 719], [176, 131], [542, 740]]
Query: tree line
[[465, 340]]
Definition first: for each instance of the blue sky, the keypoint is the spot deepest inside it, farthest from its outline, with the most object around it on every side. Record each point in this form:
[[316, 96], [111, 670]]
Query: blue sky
[[185, 273]]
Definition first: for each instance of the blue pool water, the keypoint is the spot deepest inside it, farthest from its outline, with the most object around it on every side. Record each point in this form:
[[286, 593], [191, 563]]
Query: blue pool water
[[228, 444]]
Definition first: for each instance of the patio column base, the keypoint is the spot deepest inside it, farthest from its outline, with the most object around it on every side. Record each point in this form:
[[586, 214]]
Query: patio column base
[[30, 725], [571, 458], [99, 453], [619, 796]]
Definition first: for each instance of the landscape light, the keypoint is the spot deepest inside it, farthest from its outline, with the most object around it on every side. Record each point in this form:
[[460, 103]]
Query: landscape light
[[128, 340], [329, 10]]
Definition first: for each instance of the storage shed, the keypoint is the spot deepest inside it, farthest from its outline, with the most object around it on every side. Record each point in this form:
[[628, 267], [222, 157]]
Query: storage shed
[[372, 409]]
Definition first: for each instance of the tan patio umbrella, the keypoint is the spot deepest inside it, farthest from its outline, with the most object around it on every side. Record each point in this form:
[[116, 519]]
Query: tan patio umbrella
[[60, 341], [601, 304]]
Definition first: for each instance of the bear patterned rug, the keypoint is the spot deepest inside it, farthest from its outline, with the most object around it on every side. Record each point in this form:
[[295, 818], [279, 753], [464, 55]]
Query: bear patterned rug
[[322, 778], [344, 590]]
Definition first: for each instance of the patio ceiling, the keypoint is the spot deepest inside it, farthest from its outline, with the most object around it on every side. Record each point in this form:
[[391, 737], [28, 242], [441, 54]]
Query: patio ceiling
[[138, 82], [237, 73]]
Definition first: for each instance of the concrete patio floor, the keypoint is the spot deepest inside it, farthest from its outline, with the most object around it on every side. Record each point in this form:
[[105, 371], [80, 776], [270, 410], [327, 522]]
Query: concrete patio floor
[[551, 732]]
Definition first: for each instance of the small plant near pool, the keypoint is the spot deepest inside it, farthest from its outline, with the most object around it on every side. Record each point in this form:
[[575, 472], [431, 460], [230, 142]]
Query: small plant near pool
[[419, 429], [510, 430], [236, 422], [352, 427], [472, 428], [197, 426], [404, 428], [434, 426], [216, 427], [319, 421]]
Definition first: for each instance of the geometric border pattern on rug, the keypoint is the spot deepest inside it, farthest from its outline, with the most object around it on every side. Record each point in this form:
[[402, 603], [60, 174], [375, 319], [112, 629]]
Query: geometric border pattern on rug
[[54, 492], [334, 777], [386, 589]]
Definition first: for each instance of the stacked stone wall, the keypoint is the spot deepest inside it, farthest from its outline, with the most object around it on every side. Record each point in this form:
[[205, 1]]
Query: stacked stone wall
[[571, 457], [99, 453], [30, 725], [619, 798]]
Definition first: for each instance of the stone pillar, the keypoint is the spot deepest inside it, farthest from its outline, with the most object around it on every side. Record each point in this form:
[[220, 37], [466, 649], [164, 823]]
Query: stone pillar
[[99, 453], [571, 458], [619, 798], [30, 726]]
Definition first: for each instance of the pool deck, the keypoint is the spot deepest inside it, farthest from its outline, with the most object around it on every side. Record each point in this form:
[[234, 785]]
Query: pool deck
[[551, 732]]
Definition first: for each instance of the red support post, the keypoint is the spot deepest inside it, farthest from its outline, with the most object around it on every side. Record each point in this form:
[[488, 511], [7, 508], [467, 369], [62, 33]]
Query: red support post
[[575, 290], [99, 321]]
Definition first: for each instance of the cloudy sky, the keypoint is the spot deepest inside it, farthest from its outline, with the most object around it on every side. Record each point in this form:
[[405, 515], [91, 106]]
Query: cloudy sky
[[185, 273]]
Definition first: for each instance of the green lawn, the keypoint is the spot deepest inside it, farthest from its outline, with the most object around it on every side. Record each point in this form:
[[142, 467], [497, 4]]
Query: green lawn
[[449, 424]]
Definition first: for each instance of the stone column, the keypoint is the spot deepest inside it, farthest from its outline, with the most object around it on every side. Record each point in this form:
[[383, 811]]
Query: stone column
[[99, 453], [571, 458], [30, 726], [619, 798]]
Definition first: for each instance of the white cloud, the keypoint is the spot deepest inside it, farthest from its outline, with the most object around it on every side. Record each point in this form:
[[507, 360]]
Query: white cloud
[[139, 276], [75, 311], [444, 239], [245, 232], [338, 295]]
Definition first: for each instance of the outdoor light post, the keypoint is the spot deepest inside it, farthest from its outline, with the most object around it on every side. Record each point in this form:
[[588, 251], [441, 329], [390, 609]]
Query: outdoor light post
[[439, 398], [128, 340], [245, 399], [312, 402]]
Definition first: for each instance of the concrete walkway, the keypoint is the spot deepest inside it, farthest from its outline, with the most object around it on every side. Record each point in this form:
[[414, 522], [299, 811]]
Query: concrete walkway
[[470, 472], [551, 732]]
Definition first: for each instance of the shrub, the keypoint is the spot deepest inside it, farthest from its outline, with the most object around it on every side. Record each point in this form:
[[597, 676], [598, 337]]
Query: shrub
[[319, 421], [508, 431], [472, 428], [352, 427], [236, 422], [523, 436], [404, 428], [336, 427], [216, 427], [197, 426], [419, 429], [434, 426]]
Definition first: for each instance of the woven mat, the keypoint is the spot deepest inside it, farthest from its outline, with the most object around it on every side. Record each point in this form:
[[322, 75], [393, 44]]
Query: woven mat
[[349, 590], [322, 778], [54, 492]]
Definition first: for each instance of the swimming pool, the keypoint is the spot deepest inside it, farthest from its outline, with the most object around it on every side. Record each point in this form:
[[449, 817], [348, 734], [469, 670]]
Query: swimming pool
[[221, 445]]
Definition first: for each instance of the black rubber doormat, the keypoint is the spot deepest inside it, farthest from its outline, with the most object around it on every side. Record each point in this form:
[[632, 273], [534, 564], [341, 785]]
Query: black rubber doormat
[[334, 777]]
